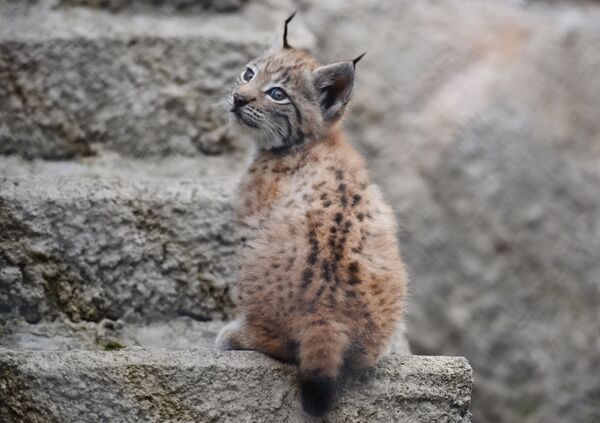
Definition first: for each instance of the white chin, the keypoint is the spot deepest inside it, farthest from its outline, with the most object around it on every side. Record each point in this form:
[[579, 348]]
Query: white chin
[[262, 140]]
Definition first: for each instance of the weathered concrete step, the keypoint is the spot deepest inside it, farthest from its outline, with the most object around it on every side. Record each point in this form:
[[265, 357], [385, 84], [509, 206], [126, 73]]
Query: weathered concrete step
[[142, 85], [91, 248], [178, 333], [109, 165], [204, 385], [169, 6]]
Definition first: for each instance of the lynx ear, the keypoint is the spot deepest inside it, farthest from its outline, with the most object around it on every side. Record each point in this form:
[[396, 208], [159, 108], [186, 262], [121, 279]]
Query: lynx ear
[[334, 84]]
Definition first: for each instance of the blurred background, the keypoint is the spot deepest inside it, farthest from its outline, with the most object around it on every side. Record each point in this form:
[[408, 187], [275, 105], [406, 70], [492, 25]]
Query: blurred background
[[479, 119]]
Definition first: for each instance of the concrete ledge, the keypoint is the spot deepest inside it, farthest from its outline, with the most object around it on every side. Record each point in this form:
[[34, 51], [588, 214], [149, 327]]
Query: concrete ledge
[[205, 385]]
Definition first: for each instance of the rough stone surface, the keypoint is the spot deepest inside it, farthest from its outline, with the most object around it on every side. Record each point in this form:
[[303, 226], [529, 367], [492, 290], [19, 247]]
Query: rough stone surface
[[204, 385], [178, 333], [90, 248], [143, 85], [163, 6], [71, 218], [480, 119]]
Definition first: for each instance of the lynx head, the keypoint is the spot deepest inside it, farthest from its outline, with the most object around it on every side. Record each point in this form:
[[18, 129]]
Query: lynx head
[[286, 98]]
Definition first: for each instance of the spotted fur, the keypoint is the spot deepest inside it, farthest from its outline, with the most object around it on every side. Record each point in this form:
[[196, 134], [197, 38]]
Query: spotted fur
[[321, 282]]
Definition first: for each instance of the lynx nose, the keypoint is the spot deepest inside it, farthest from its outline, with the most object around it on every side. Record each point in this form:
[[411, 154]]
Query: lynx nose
[[239, 101]]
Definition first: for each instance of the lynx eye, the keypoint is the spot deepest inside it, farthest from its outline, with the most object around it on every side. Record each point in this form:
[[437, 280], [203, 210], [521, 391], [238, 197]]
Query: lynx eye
[[277, 94], [248, 75]]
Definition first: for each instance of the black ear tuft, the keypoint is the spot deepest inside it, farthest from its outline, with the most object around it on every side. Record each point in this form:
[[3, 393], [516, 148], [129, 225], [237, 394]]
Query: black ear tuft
[[355, 61], [285, 30]]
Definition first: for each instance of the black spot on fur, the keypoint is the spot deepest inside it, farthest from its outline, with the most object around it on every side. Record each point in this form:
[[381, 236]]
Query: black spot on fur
[[318, 394], [339, 175], [338, 218], [334, 268], [307, 276], [360, 217], [319, 292], [291, 261], [347, 226], [326, 271], [331, 241], [324, 196], [355, 199], [353, 267], [353, 280], [326, 203], [342, 187], [344, 200], [314, 251]]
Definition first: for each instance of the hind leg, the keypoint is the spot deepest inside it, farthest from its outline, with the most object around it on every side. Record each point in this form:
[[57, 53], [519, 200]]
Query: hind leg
[[239, 335], [363, 359], [270, 340], [366, 354]]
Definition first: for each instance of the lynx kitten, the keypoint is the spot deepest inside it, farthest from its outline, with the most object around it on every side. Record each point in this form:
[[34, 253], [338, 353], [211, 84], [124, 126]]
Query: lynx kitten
[[321, 282]]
